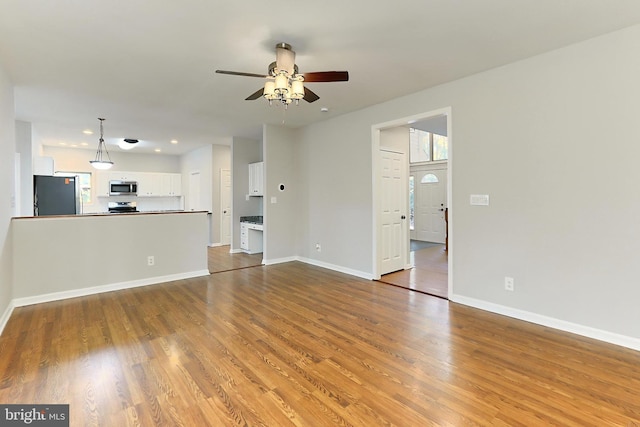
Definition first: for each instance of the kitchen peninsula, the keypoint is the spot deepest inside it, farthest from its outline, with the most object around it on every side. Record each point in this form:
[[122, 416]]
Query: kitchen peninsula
[[57, 257]]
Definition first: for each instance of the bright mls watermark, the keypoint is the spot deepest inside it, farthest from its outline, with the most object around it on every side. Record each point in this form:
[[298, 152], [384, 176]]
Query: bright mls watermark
[[34, 415]]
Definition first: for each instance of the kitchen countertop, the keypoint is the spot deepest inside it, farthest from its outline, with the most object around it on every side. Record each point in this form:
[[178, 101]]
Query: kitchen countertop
[[108, 214], [256, 219]]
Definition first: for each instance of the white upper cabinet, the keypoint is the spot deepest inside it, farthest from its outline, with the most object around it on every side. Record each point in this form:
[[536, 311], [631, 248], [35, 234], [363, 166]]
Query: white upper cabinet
[[256, 179], [150, 184], [160, 185]]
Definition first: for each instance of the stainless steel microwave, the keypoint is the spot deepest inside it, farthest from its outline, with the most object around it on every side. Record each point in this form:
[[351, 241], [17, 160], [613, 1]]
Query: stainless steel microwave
[[123, 188]]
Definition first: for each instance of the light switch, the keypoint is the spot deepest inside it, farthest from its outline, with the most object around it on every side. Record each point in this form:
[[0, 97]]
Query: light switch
[[274, 200], [479, 200]]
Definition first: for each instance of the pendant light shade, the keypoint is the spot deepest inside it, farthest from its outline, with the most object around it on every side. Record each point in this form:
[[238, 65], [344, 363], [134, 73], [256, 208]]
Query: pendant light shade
[[102, 160]]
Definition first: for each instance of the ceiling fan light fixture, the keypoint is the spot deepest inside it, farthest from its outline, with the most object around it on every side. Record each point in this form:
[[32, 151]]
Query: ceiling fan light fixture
[[285, 58], [270, 90], [100, 162], [282, 84], [297, 89]]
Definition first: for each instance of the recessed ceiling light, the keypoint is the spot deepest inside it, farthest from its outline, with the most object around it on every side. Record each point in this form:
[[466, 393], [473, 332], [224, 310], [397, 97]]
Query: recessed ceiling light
[[157, 150], [63, 143], [84, 143], [324, 109], [87, 132], [174, 141]]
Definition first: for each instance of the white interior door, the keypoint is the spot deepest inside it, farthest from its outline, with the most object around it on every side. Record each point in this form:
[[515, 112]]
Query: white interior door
[[193, 199], [225, 203], [393, 232], [430, 202]]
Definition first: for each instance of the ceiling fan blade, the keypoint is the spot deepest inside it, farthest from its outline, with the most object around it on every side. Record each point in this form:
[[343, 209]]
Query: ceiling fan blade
[[326, 76], [309, 96], [257, 94], [238, 73]]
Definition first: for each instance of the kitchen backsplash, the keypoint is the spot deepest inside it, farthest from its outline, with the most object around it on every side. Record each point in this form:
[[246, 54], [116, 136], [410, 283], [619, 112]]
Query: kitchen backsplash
[[143, 203]]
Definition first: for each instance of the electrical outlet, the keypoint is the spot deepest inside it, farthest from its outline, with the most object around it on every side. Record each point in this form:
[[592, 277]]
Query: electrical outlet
[[318, 247], [508, 284], [151, 260]]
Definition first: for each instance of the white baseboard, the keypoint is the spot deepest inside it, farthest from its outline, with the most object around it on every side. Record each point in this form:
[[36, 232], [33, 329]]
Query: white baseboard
[[55, 296], [215, 245], [328, 266], [5, 316], [586, 331], [235, 251], [338, 268], [279, 260]]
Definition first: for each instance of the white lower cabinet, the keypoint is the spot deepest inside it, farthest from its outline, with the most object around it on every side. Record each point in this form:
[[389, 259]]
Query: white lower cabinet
[[251, 237]]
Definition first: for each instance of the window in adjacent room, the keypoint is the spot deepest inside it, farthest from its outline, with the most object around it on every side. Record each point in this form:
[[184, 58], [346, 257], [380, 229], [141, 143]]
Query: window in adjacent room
[[429, 178], [412, 208], [427, 146]]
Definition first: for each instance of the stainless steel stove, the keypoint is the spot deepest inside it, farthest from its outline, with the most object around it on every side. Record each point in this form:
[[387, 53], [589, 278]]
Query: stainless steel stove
[[122, 207]]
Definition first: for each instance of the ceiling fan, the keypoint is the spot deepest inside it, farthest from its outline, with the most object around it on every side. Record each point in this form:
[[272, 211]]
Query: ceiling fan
[[284, 83]]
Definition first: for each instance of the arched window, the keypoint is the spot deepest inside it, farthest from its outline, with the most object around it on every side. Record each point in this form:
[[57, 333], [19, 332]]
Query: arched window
[[429, 178]]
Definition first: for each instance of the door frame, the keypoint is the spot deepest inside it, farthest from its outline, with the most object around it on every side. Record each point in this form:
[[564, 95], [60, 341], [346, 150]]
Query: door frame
[[222, 228], [376, 187]]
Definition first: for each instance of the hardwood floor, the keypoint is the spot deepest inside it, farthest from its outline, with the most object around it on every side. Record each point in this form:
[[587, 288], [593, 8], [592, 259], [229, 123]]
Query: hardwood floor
[[219, 259], [298, 345], [429, 274]]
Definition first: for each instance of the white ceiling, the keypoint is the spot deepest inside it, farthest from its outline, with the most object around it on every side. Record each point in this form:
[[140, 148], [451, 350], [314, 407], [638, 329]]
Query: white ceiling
[[147, 66]]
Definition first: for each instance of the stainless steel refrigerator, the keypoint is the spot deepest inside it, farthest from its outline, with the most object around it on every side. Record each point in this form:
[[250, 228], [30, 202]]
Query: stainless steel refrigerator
[[55, 195]]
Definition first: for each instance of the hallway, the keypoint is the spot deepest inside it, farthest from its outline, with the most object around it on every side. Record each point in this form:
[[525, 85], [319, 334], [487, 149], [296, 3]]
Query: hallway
[[220, 259], [429, 274]]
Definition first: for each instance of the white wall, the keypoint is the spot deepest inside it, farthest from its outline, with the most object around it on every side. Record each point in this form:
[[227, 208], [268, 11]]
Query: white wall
[[77, 160], [336, 196], [554, 140], [281, 217], [7, 150], [80, 255], [396, 139], [24, 147]]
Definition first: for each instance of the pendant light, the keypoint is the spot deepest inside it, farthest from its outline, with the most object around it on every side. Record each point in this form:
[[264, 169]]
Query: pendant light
[[100, 162]]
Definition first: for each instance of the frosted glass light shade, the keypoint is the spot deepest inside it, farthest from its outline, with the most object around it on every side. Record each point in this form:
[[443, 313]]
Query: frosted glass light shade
[[269, 89], [282, 83], [101, 164], [297, 89]]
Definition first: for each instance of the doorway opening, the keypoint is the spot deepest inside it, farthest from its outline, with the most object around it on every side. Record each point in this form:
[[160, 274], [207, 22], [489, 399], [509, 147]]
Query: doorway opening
[[427, 266]]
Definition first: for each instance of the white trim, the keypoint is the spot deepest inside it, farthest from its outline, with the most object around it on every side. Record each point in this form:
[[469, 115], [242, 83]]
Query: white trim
[[279, 260], [55, 296], [361, 274], [5, 316], [235, 251], [328, 266], [215, 245], [375, 171], [538, 319]]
